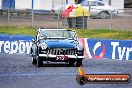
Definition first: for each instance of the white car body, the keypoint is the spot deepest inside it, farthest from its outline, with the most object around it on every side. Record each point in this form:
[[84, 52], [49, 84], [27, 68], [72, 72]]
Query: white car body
[[97, 7]]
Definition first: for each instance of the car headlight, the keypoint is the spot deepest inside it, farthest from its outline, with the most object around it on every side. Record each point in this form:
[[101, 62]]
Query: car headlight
[[79, 47], [43, 46]]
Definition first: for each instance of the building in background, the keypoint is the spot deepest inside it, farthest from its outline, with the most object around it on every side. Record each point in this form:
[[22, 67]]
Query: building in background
[[118, 4], [27, 4], [48, 4], [7, 4], [128, 3]]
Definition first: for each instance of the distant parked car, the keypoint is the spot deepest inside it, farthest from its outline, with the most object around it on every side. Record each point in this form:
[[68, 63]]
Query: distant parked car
[[56, 45], [128, 3], [97, 8]]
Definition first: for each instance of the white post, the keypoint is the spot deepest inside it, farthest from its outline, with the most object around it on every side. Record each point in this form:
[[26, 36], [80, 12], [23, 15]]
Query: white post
[[32, 12], [58, 19], [111, 17], [8, 14], [83, 20]]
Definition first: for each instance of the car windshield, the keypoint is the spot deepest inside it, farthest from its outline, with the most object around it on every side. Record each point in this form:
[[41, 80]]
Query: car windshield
[[85, 3], [89, 3], [56, 34], [92, 3]]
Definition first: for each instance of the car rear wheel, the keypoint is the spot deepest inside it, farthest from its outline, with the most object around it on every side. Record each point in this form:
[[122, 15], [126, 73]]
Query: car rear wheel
[[34, 61], [39, 62], [79, 62], [104, 15]]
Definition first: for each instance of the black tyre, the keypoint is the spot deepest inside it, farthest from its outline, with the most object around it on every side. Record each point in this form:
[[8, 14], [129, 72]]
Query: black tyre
[[82, 80], [79, 62], [104, 15], [39, 62], [71, 62], [34, 61]]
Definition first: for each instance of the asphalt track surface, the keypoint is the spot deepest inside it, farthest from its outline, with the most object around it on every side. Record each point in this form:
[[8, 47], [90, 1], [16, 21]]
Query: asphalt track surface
[[16, 71]]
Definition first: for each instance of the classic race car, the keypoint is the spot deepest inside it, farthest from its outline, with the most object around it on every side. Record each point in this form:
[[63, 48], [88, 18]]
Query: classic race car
[[56, 45]]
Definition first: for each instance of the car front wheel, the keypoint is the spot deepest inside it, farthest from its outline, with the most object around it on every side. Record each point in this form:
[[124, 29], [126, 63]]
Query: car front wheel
[[104, 15], [39, 62], [71, 62], [34, 61], [79, 62]]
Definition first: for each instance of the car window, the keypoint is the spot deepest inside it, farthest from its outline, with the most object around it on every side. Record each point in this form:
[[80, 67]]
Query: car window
[[56, 34], [100, 4], [92, 3], [85, 3]]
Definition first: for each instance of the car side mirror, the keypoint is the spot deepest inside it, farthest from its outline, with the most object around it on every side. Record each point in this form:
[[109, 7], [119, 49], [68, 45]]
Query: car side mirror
[[74, 34], [33, 41]]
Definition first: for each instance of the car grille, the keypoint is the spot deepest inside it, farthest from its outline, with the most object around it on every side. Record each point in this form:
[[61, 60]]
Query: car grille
[[62, 51]]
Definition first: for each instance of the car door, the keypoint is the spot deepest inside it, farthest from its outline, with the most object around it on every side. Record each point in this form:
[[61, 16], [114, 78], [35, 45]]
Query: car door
[[93, 8], [101, 7]]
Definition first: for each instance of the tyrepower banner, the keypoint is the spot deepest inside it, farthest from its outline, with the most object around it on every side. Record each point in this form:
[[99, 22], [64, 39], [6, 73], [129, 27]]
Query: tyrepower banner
[[111, 49], [15, 47], [15, 44]]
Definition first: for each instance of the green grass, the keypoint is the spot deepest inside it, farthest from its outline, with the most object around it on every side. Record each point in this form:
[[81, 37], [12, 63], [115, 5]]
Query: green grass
[[105, 33], [18, 30], [85, 33]]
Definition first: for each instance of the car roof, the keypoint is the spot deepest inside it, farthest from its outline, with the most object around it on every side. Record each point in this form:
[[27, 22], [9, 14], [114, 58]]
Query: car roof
[[43, 29], [92, 0]]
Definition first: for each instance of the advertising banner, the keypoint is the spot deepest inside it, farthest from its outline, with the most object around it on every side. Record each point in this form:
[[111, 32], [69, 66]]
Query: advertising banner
[[15, 44], [111, 49], [94, 48]]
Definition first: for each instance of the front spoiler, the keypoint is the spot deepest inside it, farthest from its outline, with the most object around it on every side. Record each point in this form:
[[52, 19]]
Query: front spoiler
[[54, 56]]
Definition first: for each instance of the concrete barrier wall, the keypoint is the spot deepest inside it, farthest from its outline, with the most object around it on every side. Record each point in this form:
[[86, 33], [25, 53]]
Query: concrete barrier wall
[[94, 48]]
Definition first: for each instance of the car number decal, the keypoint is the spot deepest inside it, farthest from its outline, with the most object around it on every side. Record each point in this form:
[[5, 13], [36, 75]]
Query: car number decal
[[61, 57]]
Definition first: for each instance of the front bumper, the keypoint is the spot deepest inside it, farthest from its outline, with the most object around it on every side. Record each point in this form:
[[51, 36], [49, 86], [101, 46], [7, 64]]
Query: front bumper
[[54, 56]]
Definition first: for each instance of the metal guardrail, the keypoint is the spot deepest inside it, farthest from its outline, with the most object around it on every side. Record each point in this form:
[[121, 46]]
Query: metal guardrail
[[82, 22], [48, 20]]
